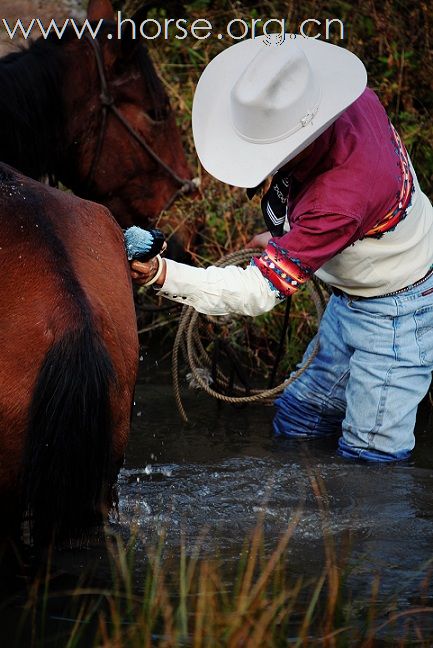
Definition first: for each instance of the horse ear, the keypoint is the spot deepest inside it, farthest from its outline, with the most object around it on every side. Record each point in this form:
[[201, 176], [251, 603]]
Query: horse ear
[[141, 13], [100, 10], [129, 43]]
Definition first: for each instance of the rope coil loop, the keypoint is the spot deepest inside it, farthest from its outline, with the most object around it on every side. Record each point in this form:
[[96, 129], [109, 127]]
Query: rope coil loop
[[188, 339]]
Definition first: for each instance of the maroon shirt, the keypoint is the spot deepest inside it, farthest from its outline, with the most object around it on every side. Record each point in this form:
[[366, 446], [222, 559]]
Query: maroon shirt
[[353, 178]]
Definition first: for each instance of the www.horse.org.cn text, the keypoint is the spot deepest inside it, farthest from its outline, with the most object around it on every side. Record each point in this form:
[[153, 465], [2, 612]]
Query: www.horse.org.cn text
[[178, 28]]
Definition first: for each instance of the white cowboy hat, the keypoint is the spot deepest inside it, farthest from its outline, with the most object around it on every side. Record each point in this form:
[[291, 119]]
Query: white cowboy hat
[[259, 103]]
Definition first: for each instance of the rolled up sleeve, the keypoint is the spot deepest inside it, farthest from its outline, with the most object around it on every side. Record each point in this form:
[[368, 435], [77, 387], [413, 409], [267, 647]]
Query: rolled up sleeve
[[292, 259]]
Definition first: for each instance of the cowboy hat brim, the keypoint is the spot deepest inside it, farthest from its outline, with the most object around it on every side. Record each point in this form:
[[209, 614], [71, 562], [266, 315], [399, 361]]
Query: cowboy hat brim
[[236, 161]]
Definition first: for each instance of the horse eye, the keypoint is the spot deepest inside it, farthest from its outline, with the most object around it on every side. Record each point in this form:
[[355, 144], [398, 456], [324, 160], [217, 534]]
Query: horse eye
[[159, 114]]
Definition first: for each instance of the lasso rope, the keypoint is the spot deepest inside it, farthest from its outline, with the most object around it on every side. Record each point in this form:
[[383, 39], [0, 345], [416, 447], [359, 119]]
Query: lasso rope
[[188, 339]]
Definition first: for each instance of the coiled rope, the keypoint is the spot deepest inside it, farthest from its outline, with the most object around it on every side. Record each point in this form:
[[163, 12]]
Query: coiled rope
[[188, 340]]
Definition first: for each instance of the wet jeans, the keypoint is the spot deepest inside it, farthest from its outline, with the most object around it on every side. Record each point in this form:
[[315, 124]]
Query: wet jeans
[[373, 367]]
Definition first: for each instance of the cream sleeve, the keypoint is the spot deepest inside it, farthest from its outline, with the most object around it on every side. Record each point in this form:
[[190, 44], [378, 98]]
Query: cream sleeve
[[219, 291]]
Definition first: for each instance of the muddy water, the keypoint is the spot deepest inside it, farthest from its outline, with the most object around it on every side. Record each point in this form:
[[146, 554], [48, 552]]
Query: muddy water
[[224, 469]]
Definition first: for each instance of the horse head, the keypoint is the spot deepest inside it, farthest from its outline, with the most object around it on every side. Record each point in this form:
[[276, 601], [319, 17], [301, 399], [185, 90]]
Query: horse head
[[96, 117], [125, 148], [93, 114]]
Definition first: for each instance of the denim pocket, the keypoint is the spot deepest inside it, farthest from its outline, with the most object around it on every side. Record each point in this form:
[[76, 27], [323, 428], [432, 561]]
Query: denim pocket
[[424, 333], [373, 309]]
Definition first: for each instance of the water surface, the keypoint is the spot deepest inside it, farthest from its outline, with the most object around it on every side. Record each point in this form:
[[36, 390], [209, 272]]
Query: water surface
[[225, 469]]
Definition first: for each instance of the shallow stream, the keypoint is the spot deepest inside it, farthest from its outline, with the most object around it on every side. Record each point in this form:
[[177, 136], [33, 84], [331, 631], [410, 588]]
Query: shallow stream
[[225, 469]]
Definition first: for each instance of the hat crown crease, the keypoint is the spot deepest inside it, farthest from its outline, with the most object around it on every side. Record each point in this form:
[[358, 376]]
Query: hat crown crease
[[274, 94]]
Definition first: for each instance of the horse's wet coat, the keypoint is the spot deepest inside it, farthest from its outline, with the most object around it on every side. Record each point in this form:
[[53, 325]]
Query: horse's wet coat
[[63, 272]]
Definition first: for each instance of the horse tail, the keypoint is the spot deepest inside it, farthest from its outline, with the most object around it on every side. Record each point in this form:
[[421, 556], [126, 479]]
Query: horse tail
[[69, 470]]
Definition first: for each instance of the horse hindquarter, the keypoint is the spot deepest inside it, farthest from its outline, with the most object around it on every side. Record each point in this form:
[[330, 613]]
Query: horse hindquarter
[[69, 358]]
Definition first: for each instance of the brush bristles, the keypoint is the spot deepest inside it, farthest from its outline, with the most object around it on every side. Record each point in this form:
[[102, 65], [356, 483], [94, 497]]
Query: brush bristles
[[141, 244]]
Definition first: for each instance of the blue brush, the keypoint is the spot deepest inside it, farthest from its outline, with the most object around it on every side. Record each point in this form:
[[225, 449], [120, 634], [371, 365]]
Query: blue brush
[[141, 244]]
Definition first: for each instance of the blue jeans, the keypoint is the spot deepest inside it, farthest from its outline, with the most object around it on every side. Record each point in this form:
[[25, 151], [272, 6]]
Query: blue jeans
[[373, 368]]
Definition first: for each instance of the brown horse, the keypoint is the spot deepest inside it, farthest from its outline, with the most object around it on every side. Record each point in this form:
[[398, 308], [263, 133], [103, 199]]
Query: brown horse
[[68, 340], [93, 115]]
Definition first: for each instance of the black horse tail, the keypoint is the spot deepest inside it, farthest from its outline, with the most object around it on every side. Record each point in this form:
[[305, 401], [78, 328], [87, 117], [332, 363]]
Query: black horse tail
[[69, 470]]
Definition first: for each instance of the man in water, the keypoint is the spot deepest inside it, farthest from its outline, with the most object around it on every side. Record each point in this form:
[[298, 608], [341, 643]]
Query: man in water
[[355, 216]]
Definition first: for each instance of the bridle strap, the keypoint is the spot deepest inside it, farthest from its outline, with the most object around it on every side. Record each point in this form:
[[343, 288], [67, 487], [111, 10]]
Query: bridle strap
[[108, 104]]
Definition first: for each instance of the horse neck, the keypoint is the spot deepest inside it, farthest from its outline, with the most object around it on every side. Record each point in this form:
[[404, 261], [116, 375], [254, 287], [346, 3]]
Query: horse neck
[[31, 109]]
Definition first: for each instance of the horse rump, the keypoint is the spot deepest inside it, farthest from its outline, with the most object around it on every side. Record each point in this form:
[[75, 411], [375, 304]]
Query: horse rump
[[69, 469]]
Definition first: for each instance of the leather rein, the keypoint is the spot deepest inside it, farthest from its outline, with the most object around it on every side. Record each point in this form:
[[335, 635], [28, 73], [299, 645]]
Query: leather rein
[[109, 106]]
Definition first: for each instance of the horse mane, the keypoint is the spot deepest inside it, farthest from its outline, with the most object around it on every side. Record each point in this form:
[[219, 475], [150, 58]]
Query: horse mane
[[31, 108], [32, 117], [157, 93]]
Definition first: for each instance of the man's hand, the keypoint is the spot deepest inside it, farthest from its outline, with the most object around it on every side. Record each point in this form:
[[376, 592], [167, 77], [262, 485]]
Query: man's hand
[[142, 273], [259, 240]]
